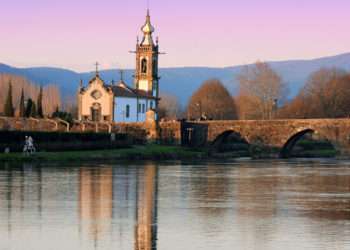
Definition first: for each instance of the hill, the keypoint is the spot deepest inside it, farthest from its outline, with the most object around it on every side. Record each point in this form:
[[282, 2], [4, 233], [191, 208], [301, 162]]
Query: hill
[[182, 82]]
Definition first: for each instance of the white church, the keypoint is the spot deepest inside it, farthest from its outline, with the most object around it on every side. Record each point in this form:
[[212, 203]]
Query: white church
[[101, 102]]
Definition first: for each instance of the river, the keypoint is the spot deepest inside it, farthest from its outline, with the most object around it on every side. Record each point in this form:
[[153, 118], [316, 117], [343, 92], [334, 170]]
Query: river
[[238, 204]]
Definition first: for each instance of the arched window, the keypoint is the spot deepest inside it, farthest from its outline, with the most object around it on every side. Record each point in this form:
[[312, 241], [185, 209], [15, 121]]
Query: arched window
[[144, 66]]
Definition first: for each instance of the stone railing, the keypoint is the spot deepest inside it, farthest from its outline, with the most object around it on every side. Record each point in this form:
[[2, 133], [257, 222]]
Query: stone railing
[[167, 132]]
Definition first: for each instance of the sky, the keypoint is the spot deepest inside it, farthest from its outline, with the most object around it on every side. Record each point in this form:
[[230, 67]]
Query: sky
[[74, 34]]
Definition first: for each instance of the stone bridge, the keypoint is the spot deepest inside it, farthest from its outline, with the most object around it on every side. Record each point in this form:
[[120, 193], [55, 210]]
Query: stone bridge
[[282, 134]]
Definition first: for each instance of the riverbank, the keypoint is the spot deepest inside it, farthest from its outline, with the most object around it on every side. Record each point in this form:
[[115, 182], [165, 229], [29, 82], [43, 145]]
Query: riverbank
[[153, 152], [146, 152]]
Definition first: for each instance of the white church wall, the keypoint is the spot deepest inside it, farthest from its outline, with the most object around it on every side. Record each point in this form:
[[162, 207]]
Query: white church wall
[[87, 101], [143, 108], [136, 113], [120, 109]]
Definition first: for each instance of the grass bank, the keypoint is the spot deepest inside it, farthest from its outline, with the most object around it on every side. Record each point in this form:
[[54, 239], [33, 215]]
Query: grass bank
[[147, 152]]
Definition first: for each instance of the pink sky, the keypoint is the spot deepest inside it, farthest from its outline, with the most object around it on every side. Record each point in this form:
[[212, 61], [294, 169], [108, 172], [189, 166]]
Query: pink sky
[[75, 34]]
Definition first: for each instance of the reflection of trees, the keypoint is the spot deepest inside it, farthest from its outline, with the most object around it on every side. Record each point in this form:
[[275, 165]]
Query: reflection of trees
[[320, 193], [22, 192], [146, 224], [210, 190], [95, 199], [256, 194]]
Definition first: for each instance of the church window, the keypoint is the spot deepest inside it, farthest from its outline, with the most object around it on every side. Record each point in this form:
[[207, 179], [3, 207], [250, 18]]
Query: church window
[[151, 105], [96, 94], [144, 66], [139, 108], [143, 108], [127, 112]]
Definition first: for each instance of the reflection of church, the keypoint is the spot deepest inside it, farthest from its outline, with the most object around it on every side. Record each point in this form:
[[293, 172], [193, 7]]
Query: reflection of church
[[123, 196], [118, 102]]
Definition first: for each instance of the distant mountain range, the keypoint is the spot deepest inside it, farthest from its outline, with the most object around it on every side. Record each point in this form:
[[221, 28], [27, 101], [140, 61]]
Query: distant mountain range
[[182, 82]]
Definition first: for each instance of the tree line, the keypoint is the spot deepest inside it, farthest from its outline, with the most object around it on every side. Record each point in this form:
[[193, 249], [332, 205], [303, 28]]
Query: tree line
[[21, 98], [263, 95]]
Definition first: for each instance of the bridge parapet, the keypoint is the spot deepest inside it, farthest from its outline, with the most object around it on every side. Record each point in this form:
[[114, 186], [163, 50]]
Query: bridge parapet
[[277, 133]]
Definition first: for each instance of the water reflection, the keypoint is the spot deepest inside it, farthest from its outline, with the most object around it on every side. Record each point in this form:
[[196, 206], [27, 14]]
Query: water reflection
[[146, 215], [96, 210], [249, 205], [95, 201]]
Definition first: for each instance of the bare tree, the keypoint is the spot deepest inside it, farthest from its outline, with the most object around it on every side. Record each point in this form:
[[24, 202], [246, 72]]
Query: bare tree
[[262, 88], [70, 106], [169, 107], [51, 93], [212, 101], [298, 108], [51, 99], [247, 107], [326, 94]]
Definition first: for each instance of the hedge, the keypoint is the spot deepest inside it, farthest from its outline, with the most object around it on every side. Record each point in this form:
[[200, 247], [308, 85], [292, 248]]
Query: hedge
[[61, 141]]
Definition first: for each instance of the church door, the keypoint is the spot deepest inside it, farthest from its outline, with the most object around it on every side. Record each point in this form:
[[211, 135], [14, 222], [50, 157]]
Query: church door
[[96, 112]]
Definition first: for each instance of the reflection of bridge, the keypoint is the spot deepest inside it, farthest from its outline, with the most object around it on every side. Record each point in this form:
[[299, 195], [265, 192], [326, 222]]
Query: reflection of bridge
[[282, 134]]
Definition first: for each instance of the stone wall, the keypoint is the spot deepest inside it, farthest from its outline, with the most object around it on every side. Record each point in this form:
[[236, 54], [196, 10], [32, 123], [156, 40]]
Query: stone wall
[[31, 124], [170, 132], [166, 132]]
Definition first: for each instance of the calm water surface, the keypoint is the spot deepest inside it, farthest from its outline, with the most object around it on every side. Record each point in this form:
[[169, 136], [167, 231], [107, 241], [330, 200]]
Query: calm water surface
[[166, 206]]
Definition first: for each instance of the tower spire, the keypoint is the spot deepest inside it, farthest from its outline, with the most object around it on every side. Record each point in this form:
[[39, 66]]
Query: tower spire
[[147, 30]]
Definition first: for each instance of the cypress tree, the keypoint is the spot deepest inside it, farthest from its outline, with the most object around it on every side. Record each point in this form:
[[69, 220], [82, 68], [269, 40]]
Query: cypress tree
[[33, 110], [8, 109], [22, 109], [40, 112], [29, 107]]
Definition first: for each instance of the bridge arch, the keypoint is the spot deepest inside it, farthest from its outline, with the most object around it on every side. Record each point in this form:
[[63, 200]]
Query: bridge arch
[[292, 141], [222, 138]]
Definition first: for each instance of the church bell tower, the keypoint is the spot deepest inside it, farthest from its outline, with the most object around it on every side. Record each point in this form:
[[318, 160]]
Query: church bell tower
[[146, 75]]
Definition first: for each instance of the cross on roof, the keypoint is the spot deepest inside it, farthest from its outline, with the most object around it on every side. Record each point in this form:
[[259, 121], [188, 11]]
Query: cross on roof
[[97, 64]]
